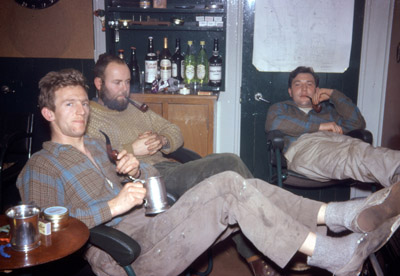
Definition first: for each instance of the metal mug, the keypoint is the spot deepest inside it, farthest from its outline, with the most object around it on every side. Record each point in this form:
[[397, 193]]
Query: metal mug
[[24, 227], [156, 197]]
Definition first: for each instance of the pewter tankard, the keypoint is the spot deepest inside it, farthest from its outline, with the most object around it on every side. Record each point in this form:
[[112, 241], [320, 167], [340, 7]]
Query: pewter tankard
[[156, 197], [24, 227]]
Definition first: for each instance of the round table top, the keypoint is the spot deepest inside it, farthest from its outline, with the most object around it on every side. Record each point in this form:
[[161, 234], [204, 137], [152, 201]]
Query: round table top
[[52, 247]]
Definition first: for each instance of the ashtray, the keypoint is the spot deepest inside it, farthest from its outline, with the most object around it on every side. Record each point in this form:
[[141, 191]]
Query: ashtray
[[177, 21]]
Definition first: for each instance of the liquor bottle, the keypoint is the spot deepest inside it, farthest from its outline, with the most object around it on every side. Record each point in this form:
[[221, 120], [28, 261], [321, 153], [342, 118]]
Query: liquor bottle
[[178, 62], [158, 64], [150, 64], [165, 62], [202, 65], [121, 54], [190, 64], [135, 72], [215, 67]]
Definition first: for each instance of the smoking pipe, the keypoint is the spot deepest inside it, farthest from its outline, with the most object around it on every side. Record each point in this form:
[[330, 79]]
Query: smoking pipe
[[317, 107], [112, 154], [142, 107]]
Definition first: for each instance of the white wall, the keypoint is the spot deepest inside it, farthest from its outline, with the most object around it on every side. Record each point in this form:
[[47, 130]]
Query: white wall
[[378, 19]]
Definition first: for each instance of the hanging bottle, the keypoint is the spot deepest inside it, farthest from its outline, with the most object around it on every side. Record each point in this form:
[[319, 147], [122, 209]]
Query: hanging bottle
[[202, 65], [121, 54], [165, 62], [190, 64], [215, 67], [135, 72], [150, 64], [178, 62]]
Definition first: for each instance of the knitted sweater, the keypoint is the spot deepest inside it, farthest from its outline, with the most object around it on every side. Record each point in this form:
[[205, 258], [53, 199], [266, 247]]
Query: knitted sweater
[[124, 127]]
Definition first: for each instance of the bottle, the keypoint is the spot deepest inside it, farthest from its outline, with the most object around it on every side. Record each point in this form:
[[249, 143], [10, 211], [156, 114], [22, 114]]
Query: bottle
[[158, 64], [121, 54], [178, 62], [215, 67], [135, 72], [150, 64], [202, 65], [190, 64], [165, 62]]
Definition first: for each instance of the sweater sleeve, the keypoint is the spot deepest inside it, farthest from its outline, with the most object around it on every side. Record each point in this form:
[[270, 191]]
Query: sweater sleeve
[[348, 115]]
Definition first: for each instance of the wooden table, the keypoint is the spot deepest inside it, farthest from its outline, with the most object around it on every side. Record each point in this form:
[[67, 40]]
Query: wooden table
[[53, 247]]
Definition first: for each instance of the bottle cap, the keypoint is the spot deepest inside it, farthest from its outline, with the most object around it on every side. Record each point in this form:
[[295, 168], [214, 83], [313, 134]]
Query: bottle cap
[[190, 42], [202, 42]]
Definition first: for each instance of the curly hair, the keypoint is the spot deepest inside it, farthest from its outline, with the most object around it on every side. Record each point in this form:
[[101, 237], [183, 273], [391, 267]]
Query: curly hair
[[53, 81]]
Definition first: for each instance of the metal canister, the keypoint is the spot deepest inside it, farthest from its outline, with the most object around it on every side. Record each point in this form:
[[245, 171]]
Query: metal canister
[[58, 216], [24, 227]]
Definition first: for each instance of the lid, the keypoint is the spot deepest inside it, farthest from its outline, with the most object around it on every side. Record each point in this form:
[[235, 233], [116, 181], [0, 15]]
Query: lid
[[55, 212]]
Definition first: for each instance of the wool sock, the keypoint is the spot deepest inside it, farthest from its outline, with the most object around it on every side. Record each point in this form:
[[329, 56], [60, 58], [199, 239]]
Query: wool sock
[[333, 253], [339, 215]]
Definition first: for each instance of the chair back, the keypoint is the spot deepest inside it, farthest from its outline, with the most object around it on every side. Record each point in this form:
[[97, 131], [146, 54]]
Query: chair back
[[16, 131]]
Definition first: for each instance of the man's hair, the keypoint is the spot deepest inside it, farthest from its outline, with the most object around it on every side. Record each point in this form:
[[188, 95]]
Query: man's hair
[[102, 62], [303, 69], [53, 81]]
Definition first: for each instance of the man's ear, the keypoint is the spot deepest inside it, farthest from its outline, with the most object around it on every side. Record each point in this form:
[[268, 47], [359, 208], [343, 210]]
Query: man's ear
[[48, 114], [98, 82], [290, 92]]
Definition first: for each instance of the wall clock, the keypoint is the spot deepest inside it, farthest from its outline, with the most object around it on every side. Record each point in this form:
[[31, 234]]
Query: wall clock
[[36, 4]]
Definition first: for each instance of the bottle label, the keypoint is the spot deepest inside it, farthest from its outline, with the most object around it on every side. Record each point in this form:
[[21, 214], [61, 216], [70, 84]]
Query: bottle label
[[174, 71], [150, 70], [183, 69], [189, 72], [201, 71], [215, 72], [165, 69]]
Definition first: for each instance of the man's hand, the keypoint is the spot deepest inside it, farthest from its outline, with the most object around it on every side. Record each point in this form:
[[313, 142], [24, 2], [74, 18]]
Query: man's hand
[[321, 94], [127, 164], [148, 143], [331, 126], [131, 195]]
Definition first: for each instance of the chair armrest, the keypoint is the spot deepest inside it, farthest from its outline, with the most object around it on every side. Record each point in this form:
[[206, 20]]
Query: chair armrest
[[362, 134], [119, 245], [275, 138], [183, 155]]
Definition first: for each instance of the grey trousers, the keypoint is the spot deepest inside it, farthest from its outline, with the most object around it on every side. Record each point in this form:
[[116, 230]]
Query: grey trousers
[[276, 221], [179, 178], [326, 155]]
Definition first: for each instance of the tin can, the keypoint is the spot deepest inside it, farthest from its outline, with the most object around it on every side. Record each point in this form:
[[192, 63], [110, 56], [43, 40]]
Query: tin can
[[58, 216], [144, 4]]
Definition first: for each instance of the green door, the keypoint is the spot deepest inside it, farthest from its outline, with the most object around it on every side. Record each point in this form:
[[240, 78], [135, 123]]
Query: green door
[[273, 86]]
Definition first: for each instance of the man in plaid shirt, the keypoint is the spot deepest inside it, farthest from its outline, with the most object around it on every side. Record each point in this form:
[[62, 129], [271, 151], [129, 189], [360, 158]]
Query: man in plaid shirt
[[314, 142]]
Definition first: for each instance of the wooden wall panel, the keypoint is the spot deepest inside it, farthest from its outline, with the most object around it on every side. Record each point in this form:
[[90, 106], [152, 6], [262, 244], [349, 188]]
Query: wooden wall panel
[[64, 30]]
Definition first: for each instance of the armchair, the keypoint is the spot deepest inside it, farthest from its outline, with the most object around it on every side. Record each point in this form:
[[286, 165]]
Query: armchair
[[277, 167], [15, 150]]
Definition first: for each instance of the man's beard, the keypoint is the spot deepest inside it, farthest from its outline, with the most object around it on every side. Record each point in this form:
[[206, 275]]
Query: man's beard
[[113, 104]]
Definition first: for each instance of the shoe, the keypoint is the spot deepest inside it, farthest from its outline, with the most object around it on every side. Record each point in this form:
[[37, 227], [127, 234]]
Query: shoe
[[377, 208], [260, 267], [368, 244]]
